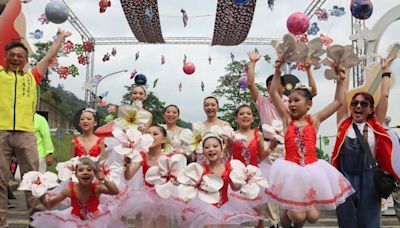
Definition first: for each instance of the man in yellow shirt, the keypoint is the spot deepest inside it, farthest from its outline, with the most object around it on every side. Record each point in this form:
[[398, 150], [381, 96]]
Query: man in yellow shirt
[[17, 107], [45, 146]]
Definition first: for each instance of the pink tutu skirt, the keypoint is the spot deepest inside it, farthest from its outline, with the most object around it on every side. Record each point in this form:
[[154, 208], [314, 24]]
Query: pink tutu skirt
[[198, 213], [315, 186]]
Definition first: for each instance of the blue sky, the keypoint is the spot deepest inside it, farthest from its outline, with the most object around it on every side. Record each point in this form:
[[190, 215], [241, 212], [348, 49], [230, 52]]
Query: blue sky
[[265, 24]]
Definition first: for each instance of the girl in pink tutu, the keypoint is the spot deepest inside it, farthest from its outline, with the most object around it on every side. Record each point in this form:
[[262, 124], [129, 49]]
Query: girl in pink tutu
[[155, 211], [85, 210], [300, 183], [87, 143], [228, 210]]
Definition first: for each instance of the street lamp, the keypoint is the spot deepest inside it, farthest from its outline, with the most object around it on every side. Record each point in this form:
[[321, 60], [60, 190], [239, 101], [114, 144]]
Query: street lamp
[[101, 79]]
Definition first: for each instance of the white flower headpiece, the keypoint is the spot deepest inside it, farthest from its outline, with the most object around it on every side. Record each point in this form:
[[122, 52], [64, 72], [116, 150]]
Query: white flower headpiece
[[89, 110], [301, 86]]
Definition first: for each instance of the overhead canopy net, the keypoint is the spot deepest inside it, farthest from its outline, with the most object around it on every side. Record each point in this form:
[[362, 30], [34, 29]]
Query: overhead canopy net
[[232, 21], [144, 20]]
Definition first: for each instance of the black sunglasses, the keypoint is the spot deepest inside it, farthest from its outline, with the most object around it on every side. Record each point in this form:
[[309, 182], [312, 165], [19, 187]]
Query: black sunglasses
[[363, 103]]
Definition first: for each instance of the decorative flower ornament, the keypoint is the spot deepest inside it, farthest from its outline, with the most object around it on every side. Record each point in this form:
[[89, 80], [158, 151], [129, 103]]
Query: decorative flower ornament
[[248, 178], [38, 183], [275, 129], [165, 174], [193, 140], [66, 170], [288, 49], [131, 143], [131, 116], [311, 53], [180, 143], [194, 182], [338, 57]]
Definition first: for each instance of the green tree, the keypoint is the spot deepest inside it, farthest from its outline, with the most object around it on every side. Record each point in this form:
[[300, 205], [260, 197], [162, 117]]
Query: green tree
[[228, 91]]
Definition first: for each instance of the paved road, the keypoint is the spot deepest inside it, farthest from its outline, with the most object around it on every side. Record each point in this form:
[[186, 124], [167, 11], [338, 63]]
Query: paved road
[[17, 217]]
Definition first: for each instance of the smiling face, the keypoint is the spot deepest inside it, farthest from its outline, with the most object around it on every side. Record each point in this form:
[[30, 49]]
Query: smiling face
[[360, 108], [16, 58], [298, 104], [84, 173], [210, 107], [138, 94], [158, 135], [244, 116], [171, 114], [212, 149], [87, 121]]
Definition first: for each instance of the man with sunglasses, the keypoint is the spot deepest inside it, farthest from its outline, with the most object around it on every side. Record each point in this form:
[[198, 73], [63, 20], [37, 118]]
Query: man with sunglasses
[[18, 100], [363, 208]]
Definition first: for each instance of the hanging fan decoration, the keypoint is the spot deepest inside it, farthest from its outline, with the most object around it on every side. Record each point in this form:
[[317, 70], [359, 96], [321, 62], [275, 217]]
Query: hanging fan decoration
[[232, 21], [144, 20]]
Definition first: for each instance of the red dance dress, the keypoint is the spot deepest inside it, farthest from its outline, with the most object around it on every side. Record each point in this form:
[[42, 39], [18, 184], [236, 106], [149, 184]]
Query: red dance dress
[[79, 149]]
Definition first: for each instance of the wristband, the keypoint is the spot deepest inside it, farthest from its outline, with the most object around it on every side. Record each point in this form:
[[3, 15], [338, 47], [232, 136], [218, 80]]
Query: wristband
[[387, 74]]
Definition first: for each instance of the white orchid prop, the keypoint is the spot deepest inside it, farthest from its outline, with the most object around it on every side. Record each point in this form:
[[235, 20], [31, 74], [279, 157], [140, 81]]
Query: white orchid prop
[[248, 178], [131, 143], [338, 57], [38, 183], [132, 116], [289, 49], [165, 174], [192, 140], [195, 182], [225, 131], [66, 170], [275, 129], [311, 53]]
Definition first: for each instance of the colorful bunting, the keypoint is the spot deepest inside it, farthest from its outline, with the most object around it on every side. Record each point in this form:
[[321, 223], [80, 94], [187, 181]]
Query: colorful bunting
[[106, 57], [314, 29], [43, 19], [68, 47], [337, 11], [63, 72], [184, 17], [103, 5], [83, 60], [73, 70], [78, 49], [88, 46], [113, 51], [37, 34], [322, 14]]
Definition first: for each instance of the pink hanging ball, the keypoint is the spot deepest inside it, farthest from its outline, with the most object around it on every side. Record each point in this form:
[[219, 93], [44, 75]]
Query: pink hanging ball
[[189, 68], [298, 23]]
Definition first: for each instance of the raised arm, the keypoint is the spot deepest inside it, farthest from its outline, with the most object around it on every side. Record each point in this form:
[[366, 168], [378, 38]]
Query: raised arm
[[44, 63], [332, 107], [311, 81], [344, 108], [275, 96], [130, 168], [106, 186], [253, 57], [382, 107], [51, 202]]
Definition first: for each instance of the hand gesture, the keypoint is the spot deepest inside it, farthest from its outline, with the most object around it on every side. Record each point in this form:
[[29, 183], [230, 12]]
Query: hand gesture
[[341, 71], [253, 56], [278, 63], [127, 161], [63, 33], [385, 63], [272, 144], [100, 175]]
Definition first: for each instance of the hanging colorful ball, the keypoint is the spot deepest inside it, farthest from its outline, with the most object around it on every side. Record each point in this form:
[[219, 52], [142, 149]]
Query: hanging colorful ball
[[189, 68], [361, 9], [140, 79], [56, 12], [298, 23], [240, 2], [242, 82]]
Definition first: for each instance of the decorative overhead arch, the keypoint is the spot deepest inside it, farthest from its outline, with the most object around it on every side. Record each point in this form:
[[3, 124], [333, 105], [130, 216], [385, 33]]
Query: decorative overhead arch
[[232, 21], [144, 20]]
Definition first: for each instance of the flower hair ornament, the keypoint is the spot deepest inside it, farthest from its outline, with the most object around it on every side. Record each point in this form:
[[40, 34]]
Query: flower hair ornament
[[38, 183], [301, 86], [89, 110]]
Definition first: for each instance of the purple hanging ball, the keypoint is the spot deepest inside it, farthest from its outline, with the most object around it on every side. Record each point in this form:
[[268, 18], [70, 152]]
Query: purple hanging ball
[[361, 9], [242, 82], [140, 79], [56, 12], [298, 23]]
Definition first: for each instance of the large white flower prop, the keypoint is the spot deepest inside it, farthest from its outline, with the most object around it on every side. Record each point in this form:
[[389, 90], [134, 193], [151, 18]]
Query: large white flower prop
[[132, 116], [275, 129], [192, 140], [289, 49], [38, 183], [248, 178], [225, 132], [131, 143], [311, 52], [66, 170], [338, 57], [165, 174], [195, 182]]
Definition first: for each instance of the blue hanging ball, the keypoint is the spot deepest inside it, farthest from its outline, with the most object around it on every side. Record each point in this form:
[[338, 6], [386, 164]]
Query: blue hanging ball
[[56, 12], [241, 2], [361, 9], [140, 79]]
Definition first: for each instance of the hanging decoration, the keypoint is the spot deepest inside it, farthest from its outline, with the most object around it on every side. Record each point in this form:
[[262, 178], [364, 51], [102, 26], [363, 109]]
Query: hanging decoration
[[137, 55], [337, 11], [314, 29], [271, 4], [83, 60], [202, 86], [256, 50], [180, 87], [209, 60], [106, 57], [326, 40], [103, 95], [56, 11], [43, 19], [73, 70], [322, 14], [184, 17], [79, 49], [267, 58], [162, 59], [102, 103], [133, 74], [189, 68], [68, 47], [303, 38], [339, 57], [37, 34], [140, 79], [63, 72], [53, 63], [361, 9], [242, 82], [103, 5], [232, 21], [155, 83], [184, 59], [298, 23], [88, 46], [232, 57], [113, 51]]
